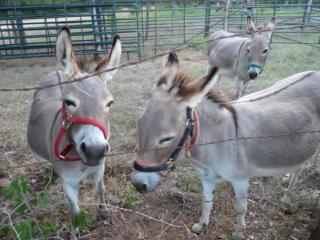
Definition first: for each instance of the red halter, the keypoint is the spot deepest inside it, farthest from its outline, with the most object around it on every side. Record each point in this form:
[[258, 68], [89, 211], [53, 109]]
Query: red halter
[[194, 139], [68, 120]]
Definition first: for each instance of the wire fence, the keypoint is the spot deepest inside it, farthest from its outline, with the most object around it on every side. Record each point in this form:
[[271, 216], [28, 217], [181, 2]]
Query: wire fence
[[29, 30]]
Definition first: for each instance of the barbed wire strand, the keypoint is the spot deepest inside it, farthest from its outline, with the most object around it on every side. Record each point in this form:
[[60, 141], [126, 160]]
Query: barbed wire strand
[[114, 154], [130, 63]]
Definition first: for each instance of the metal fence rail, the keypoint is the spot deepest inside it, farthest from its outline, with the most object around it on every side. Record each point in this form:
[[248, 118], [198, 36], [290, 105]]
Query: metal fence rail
[[145, 26], [30, 30]]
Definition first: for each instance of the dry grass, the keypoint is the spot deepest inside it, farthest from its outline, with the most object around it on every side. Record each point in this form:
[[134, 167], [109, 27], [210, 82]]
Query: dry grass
[[177, 201]]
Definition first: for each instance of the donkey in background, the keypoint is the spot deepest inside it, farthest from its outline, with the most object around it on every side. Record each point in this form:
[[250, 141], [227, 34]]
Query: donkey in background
[[242, 132], [238, 57], [67, 122]]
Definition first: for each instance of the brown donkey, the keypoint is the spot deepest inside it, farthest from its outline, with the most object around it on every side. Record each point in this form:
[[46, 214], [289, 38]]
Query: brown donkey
[[67, 122], [267, 133]]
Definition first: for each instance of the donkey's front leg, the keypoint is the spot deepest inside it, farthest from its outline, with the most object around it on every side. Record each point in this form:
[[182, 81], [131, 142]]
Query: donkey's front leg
[[100, 189], [240, 188], [208, 185], [72, 195], [238, 81], [244, 87]]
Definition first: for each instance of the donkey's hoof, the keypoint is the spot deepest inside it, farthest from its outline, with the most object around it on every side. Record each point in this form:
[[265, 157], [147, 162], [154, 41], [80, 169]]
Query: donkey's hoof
[[104, 214], [74, 233], [237, 235], [198, 228]]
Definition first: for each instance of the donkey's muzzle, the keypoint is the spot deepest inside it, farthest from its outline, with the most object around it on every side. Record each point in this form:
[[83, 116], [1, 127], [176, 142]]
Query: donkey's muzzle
[[145, 182], [92, 153]]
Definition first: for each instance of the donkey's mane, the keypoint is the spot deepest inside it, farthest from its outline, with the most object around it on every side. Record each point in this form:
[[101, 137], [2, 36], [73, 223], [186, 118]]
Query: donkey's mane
[[222, 101], [87, 63], [181, 79]]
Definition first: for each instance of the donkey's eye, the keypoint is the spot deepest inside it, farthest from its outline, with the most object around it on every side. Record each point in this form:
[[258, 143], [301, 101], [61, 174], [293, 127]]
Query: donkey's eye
[[265, 51], [69, 103], [165, 140], [248, 50], [109, 104]]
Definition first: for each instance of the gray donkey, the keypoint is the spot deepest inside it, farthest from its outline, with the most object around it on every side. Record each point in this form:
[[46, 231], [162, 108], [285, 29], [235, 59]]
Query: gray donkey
[[267, 133], [241, 58], [67, 122]]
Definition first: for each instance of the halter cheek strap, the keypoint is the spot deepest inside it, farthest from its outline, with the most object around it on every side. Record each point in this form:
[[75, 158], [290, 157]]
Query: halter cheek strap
[[189, 133], [260, 66], [69, 120]]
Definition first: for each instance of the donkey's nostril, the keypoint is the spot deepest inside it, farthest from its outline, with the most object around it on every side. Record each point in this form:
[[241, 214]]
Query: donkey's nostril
[[253, 75], [144, 188], [83, 147]]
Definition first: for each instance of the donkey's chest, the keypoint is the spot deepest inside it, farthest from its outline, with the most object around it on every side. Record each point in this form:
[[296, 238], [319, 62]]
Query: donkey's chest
[[74, 173]]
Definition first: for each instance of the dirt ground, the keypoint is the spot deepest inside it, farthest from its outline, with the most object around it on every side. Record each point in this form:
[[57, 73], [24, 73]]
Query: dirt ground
[[169, 212]]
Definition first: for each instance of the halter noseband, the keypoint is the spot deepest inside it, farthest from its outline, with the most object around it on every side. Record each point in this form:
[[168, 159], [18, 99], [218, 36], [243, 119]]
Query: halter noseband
[[69, 120], [169, 164]]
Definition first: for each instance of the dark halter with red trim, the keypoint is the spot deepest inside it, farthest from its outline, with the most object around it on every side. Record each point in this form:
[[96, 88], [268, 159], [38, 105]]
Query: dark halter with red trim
[[169, 164], [67, 122]]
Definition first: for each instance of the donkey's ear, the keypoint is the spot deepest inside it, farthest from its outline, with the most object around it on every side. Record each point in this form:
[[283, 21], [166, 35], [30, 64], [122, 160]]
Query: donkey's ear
[[108, 65], [194, 92], [250, 25], [64, 52], [271, 24], [169, 73]]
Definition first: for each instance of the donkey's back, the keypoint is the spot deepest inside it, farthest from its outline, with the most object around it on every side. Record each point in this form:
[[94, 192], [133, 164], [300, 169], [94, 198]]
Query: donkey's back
[[223, 50], [284, 121]]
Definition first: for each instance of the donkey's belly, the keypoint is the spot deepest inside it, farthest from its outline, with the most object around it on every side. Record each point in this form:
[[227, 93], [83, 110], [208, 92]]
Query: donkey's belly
[[281, 155]]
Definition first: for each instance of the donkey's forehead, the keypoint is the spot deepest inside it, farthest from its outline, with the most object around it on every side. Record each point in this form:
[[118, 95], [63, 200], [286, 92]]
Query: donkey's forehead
[[91, 87], [262, 36], [161, 107], [259, 39]]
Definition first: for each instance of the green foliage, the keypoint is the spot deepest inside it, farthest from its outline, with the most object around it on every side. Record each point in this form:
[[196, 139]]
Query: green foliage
[[50, 177], [131, 197], [20, 202], [84, 219], [48, 226]]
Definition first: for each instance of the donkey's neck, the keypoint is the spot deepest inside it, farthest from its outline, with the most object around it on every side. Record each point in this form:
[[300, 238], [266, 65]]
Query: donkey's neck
[[217, 123], [241, 63]]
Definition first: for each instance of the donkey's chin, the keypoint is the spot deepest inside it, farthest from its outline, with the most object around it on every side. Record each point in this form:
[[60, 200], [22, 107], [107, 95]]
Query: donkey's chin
[[91, 162]]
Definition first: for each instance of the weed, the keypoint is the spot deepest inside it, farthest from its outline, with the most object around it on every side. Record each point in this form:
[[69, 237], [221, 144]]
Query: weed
[[84, 219], [20, 204], [131, 197]]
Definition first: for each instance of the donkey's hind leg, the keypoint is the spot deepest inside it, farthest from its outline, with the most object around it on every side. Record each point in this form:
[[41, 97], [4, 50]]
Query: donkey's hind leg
[[100, 190], [240, 188], [293, 177]]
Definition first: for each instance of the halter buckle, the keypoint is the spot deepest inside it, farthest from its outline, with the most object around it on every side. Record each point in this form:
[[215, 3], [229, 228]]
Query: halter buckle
[[66, 123], [170, 164], [189, 123]]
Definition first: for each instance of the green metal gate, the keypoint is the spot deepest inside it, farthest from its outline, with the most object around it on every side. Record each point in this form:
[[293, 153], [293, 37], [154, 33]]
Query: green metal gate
[[30, 30]]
